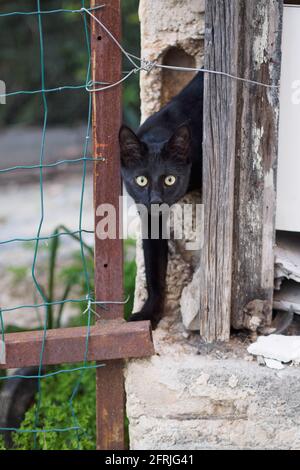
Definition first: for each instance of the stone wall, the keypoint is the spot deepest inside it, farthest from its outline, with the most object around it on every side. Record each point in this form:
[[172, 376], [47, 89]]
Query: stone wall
[[172, 33], [201, 402]]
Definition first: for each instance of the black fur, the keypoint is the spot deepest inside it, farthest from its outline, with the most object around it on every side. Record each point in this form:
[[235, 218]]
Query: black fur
[[168, 143]]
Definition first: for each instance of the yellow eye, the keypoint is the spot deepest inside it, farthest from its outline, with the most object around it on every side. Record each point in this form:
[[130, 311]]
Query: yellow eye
[[141, 181], [170, 180]]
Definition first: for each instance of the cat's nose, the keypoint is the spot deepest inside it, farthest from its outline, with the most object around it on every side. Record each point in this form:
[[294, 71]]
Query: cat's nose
[[155, 199]]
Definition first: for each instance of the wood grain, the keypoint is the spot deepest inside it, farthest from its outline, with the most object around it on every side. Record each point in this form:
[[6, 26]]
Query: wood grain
[[257, 114], [240, 161], [221, 36]]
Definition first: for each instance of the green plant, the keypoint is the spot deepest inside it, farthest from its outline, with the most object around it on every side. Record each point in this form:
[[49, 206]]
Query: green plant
[[66, 62], [55, 412]]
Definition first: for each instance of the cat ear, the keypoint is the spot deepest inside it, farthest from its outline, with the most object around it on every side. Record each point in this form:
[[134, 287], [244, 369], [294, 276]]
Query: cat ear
[[179, 145], [131, 147]]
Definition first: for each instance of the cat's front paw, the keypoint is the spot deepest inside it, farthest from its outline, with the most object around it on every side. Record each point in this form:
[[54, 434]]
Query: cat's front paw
[[142, 316]]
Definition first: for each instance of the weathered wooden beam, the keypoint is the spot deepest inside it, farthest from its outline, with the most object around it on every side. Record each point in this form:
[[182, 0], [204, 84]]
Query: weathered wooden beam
[[239, 170], [221, 36], [109, 340], [257, 114], [107, 115]]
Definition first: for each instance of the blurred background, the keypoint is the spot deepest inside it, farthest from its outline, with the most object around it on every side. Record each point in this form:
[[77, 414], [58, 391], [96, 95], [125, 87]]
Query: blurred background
[[21, 123], [65, 62]]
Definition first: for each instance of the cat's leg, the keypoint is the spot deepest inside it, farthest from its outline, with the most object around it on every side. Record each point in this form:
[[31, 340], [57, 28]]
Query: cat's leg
[[156, 260]]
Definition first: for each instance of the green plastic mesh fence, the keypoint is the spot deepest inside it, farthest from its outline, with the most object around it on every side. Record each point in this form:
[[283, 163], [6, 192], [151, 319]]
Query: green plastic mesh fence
[[40, 166]]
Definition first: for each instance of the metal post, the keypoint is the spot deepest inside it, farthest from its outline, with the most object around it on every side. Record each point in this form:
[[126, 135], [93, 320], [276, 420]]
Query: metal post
[[106, 67]]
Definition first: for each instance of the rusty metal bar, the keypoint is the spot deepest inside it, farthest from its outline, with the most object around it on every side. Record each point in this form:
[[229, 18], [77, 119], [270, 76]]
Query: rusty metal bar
[[108, 340], [107, 67]]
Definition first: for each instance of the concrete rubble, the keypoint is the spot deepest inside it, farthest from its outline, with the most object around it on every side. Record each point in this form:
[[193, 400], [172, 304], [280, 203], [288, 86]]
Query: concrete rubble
[[277, 347]]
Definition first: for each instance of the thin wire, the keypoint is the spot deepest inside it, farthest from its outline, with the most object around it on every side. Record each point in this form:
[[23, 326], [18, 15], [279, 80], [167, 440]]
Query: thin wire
[[36, 431], [111, 36], [42, 305], [46, 12], [60, 302], [136, 69], [51, 165], [148, 65], [214, 72], [46, 238], [111, 85], [53, 374], [113, 302], [46, 90]]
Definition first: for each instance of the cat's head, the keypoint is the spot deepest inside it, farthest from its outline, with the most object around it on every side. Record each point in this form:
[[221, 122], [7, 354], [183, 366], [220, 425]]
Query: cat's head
[[156, 173]]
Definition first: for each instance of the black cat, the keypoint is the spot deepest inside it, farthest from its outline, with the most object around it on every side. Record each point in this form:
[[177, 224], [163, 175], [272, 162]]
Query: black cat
[[160, 164]]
